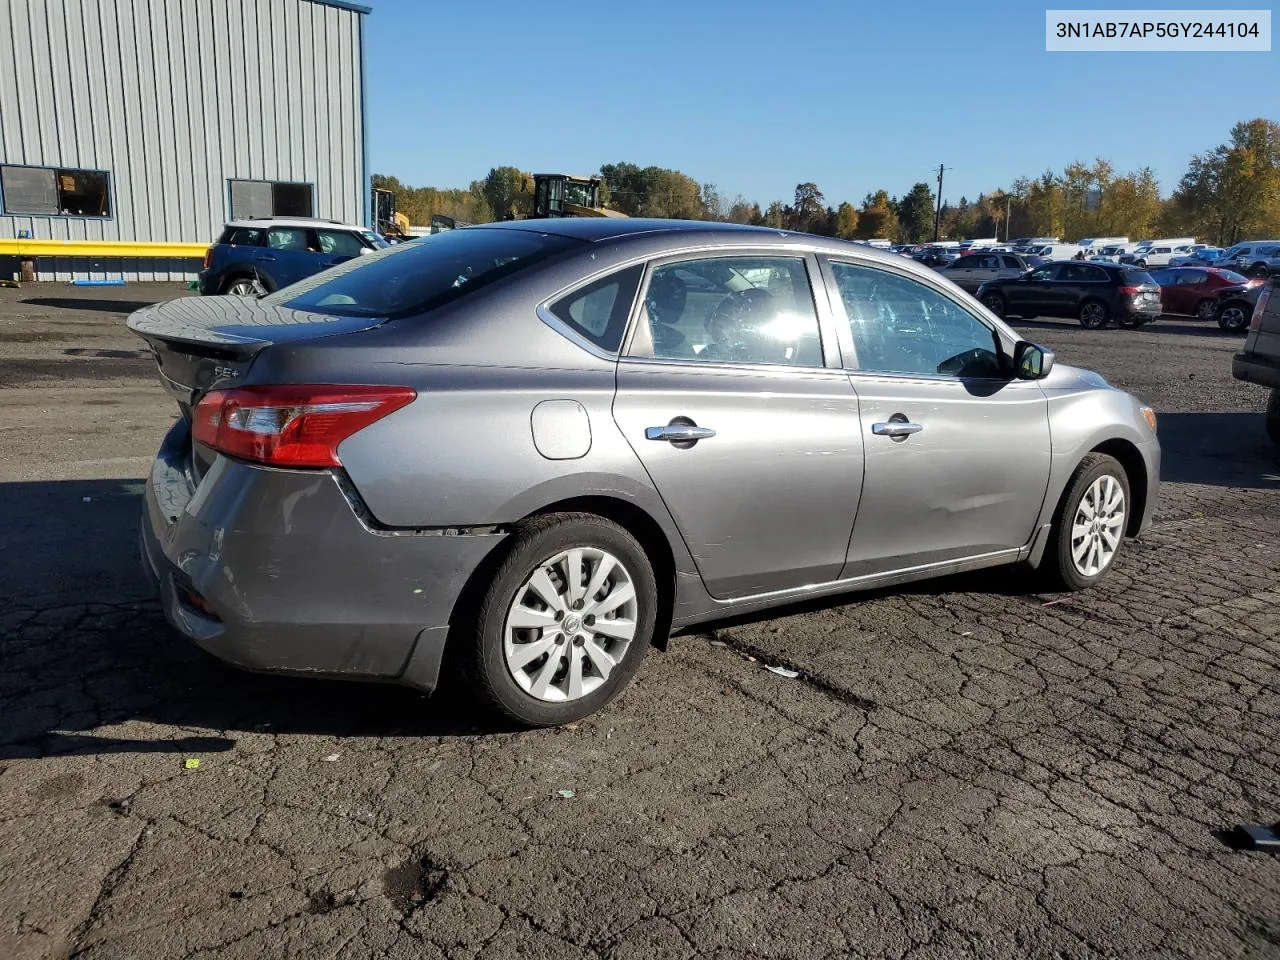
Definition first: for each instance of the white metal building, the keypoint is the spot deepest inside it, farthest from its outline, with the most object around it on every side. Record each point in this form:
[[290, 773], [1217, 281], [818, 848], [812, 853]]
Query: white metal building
[[159, 120]]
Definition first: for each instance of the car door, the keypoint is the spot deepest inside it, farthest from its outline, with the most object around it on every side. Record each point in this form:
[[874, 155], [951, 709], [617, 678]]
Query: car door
[[1190, 288], [731, 394], [1032, 295], [986, 267], [957, 453], [292, 253], [962, 272]]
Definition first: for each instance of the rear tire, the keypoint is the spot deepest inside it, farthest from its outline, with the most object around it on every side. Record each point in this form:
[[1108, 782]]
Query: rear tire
[[1273, 417], [243, 286], [1094, 314], [1235, 315], [510, 667], [1207, 309], [996, 304], [1080, 552]]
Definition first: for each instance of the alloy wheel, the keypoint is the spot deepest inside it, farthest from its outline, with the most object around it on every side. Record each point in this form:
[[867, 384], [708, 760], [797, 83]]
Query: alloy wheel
[[245, 288], [1098, 526], [570, 623], [1206, 310], [1093, 315], [1233, 318]]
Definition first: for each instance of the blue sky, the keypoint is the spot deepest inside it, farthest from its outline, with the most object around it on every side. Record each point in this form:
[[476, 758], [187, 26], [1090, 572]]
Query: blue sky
[[758, 96]]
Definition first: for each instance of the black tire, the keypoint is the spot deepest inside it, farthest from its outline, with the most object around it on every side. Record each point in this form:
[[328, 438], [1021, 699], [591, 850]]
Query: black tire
[[1093, 314], [1258, 270], [1234, 316], [1273, 417], [995, 303], [1207, 309], [231, 286], [533, 544], [1057, 569]]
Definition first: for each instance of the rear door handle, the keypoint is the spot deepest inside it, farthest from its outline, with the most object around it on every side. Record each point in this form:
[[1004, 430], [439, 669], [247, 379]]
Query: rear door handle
[[679, 433], [898, 429], [266, 257]]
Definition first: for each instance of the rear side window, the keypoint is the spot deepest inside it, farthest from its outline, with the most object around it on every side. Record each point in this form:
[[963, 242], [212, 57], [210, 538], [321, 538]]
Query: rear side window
[[412, 278], [242, 237], [1012, 263], [599, 311]]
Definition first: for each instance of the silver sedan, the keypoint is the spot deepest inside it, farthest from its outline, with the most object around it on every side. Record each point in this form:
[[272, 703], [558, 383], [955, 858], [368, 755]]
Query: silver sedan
[[537, 448]]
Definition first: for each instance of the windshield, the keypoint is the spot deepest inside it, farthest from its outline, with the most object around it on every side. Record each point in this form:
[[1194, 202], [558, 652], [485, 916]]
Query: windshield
[[416, 277], [1137, 277], [1232, 277]]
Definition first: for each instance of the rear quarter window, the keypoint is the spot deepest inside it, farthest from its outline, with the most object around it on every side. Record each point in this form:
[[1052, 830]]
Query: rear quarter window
[[599, 311]]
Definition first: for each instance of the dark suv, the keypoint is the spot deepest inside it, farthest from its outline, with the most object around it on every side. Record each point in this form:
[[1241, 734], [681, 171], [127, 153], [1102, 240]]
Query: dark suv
[[1094, 293], [253, 257], [1259, 361]]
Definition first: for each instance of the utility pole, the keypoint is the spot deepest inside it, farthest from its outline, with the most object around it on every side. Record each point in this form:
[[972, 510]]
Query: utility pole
[[937, 214], [1008, 206]]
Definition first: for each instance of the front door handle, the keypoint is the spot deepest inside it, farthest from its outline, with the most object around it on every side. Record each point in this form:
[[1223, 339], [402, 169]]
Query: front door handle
[[897, 429], [679, 433], [266, 258]]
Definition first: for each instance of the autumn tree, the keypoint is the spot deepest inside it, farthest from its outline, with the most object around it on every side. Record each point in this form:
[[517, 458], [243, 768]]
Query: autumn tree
[[846, 227], [1232, 192], [915, 214], [508, 192], [808, 208]]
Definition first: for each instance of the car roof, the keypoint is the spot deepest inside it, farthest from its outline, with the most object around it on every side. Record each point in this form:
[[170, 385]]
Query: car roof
[[673, 233], [260, 222]]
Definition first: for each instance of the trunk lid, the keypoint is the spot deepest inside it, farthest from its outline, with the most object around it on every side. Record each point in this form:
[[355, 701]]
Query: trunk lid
[[202, 342]]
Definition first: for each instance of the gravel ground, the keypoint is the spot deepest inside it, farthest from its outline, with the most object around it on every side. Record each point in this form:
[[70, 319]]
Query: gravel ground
[[961, 768]]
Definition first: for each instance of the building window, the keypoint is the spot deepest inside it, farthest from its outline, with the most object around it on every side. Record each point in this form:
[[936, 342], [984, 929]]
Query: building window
[[55, 192], [270, 198]]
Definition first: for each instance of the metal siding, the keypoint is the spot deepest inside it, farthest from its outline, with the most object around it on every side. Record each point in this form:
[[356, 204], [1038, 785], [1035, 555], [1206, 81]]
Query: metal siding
[[174, 98]]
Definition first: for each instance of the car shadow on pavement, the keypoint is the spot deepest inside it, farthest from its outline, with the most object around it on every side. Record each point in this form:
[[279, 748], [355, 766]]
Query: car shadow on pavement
[[88, 303], [84, 646], [1218, 450]]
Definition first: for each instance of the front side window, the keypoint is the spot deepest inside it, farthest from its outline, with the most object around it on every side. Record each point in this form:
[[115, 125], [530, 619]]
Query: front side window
[[1012, 263], [413, 278], [744, 309], [55, 192], [600, 310], [902, 326], [340, 243], [1047, 272]]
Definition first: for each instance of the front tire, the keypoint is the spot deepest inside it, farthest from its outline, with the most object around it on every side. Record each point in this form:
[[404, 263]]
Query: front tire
[[1094, 314], [1234, 316], [996, 304], [565, 621], [1089, 525]]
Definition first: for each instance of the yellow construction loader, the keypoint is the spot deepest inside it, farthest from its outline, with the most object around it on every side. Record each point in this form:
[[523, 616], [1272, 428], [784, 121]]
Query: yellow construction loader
[[563, 195]]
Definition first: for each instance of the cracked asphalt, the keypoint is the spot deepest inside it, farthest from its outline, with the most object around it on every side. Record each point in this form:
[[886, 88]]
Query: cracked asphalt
[[963, 768]]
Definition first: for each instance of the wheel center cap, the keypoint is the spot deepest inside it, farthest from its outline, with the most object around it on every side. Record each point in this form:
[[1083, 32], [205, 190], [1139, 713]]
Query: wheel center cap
[[572, 623]]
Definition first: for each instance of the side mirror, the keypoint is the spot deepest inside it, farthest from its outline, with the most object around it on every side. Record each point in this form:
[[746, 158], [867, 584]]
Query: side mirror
[[1031, 361]]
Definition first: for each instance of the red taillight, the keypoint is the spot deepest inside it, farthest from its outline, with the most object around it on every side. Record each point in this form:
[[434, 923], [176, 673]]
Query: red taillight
[[292, 426], [1131, 291], [1255, 322], [208, 257]]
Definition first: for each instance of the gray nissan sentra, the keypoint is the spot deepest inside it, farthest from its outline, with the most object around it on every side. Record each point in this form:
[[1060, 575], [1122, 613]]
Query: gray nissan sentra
[[547, 444]]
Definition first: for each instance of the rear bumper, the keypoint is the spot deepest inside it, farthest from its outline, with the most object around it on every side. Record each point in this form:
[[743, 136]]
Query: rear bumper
[[207, 283], [290, 579], [1254, 368]]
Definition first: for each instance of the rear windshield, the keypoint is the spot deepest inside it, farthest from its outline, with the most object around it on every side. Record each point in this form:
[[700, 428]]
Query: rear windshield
[[412, 278], [1134, 278]]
